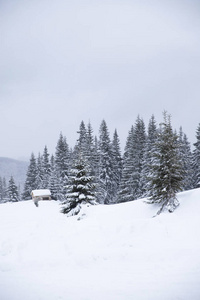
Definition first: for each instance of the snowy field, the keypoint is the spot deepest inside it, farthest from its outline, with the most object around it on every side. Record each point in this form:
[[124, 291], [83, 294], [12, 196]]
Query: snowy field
[[116, 252]]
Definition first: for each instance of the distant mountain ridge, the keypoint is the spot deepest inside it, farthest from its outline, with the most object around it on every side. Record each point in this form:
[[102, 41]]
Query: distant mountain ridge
[[13, 167]]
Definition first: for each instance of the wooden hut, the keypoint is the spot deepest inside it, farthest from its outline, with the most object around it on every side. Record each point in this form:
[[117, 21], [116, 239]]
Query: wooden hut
[[38, 195]]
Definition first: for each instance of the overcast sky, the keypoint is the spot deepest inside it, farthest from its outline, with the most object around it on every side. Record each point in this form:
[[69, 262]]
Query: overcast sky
[[65, 61]]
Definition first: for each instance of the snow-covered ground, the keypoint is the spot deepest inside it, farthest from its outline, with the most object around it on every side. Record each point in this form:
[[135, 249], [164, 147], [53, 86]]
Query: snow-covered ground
[[116, 252]]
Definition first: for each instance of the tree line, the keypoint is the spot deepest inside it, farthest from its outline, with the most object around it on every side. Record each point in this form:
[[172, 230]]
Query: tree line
[[157, 163], [9, 191]]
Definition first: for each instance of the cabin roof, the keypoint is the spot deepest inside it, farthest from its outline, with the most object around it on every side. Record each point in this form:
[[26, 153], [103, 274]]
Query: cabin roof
[[43, 192]]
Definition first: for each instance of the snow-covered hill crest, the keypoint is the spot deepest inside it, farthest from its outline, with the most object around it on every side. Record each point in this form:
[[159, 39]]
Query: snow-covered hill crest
[[116, 252]]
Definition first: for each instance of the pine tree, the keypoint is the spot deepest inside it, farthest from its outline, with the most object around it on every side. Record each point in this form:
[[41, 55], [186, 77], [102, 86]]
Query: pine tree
[[91, 152], [117, 164], [81, 188], [82, 140], [31, 178], [1, 189], [166, 171], [13, 193], [131, 184], [62, 166], [39, 175], [186, 159], [53, 183], [196, 160], [5, 194], [149, 148], [105, 182], [125, 189], [46, 169], [139, 141]]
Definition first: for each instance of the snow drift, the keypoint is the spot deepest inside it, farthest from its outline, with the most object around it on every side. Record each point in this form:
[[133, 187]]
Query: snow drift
[[116, 252]]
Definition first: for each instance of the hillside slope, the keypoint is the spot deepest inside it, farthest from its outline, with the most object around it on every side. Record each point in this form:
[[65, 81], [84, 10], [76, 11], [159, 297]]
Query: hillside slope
[[116, 252], [16, 168]]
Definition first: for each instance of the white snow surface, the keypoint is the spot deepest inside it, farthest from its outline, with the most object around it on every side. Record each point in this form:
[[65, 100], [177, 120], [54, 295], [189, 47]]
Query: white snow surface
[[116, 252]]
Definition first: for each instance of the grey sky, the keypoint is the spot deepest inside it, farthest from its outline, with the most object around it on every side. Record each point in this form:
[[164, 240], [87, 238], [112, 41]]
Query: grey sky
[[62, 62]]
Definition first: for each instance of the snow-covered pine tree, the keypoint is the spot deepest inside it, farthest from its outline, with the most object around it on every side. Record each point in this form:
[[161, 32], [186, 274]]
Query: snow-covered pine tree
[[105, 182], [139, 142], [3, 190], [53, 183], [13, 194], [39, 175], [166, 170], [96, 159], [152, 135], [91, 152], [5, 194], [46, 169], [117, 164], [125, 192], [131, 187], [62, 166], [196, 160], [186, 158], [31, 178], [82, 140], [81, 188]]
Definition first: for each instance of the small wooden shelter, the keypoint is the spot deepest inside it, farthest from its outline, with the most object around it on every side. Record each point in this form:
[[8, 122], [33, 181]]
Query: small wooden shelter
[[41, 195]]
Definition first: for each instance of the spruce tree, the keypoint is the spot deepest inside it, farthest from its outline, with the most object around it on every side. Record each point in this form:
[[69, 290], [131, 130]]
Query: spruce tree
[[62, 166], [82, 140], [139, 142], [186, 158], [53, 183], [196, 160], [117, 164], [46, 169], [152, 135], [5, 194], [91, 152], [166, 170], [105, 182], [125, 192], [31, 178], [13, 193], [39, 175], [1, 189], [81, 188]]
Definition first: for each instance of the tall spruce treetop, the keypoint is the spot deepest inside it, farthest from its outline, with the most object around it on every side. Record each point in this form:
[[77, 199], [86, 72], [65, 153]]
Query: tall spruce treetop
[[166, 171], [91, 152], [139, 143], [117, 164], [82, 140], [105, 165], [62, 156], [125, 192], [46, 169], [146, 164], [31, 178], [131, 187], [186, 158], [39, 175], [62, 166], [196, 160]]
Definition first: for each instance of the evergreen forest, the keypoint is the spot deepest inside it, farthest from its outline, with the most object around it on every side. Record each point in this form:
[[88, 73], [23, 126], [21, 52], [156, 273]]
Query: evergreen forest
[[156, 164]]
